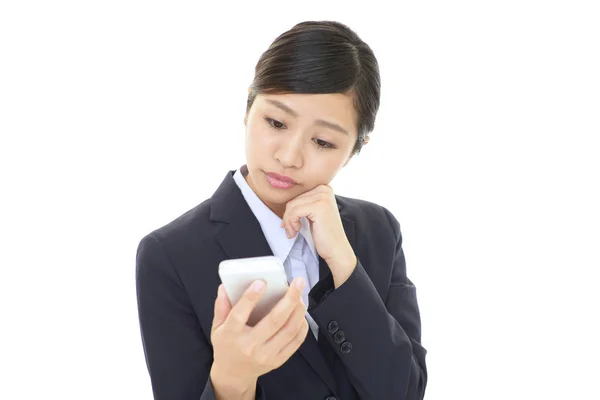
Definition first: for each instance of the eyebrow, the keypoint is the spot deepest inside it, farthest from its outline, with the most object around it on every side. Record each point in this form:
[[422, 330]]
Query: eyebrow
[[320, 122]]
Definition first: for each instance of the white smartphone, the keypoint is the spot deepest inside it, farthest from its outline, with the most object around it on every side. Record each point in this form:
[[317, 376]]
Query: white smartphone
[[239, 273]]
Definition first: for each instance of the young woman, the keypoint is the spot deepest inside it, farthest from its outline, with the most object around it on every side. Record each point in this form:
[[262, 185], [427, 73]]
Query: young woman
[[349, 326]]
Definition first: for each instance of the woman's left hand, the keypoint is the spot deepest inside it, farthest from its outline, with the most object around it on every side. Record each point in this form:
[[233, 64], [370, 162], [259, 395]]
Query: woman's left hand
[[320, 208]]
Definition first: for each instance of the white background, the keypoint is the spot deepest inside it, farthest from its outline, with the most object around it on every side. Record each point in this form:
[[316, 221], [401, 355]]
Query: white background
[[118, 116]]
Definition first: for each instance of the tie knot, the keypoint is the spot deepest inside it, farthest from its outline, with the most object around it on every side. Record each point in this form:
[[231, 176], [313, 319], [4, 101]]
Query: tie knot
[[298, 246]]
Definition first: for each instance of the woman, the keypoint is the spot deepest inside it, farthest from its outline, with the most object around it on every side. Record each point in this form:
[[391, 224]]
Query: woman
[[349, 326]]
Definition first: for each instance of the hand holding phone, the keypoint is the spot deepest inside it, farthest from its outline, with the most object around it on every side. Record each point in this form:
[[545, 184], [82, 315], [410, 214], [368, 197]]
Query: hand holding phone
[[238, 274], [241, 353]]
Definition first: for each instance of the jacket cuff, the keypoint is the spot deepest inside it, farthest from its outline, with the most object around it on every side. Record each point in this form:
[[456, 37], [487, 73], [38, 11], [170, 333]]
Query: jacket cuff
[[320, 292], [209, 392], [343, 313]]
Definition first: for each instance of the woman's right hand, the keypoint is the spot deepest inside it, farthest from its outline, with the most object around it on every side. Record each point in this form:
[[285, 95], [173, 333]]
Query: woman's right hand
[[242, 353]]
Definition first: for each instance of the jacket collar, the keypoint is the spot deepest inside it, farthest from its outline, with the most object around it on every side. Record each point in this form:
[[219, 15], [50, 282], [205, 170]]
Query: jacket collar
[[243, 236]]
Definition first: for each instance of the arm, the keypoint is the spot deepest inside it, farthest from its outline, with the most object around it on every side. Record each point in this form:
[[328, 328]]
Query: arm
[[178, 356], [386, 360]]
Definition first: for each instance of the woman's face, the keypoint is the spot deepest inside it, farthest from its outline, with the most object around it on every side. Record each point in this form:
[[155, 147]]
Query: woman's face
[[306, 137]]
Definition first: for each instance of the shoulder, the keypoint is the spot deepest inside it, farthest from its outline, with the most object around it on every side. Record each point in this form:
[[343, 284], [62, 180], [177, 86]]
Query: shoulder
[[375, 238], [369, 215], [185, 231]]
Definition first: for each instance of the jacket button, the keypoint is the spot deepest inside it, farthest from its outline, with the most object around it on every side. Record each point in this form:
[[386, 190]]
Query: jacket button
[[331, 398], [346, 347], [333, 327], [339, 337]]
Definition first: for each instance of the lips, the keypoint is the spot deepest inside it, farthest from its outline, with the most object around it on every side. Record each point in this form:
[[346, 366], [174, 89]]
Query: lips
[[281, 178]]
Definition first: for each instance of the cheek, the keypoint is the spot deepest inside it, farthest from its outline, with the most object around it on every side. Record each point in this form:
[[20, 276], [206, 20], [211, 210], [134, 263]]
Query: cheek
[[317, 170], [322, 170], [254, 139], [258, 133]]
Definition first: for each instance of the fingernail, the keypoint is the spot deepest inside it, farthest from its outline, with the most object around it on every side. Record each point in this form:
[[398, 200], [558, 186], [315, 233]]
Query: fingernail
[[299, 283], [220, 290], [258, 286]]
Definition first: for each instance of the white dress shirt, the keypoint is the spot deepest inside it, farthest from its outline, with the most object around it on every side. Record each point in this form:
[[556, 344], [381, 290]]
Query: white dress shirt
[[298, 254]]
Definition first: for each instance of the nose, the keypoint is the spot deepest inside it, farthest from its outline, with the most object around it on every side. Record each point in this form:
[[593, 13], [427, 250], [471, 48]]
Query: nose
[[289, 153]]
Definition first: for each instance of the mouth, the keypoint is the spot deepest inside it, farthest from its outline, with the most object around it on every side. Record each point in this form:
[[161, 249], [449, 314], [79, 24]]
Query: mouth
[[280, 181]]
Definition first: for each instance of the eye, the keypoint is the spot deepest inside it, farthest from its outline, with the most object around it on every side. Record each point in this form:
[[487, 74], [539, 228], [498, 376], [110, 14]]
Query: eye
[[274, 123], [323, 144]]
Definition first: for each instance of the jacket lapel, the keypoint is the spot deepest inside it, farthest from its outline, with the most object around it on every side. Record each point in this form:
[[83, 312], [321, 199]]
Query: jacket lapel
[[243, 237]]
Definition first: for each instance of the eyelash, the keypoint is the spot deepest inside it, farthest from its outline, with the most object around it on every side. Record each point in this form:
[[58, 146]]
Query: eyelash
[[327, 146]]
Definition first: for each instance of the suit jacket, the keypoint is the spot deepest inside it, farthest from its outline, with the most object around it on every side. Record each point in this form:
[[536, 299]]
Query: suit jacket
[[369, 328]]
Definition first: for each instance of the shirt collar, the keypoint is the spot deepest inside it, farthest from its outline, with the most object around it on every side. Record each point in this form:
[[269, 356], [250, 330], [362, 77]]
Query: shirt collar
[[270, 223]]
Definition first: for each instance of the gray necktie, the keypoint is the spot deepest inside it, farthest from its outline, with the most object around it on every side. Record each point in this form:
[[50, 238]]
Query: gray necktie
[[298, 266]]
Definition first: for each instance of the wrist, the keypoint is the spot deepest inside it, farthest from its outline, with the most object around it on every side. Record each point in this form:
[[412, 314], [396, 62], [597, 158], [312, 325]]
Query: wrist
[[227, 387], [342, 269]]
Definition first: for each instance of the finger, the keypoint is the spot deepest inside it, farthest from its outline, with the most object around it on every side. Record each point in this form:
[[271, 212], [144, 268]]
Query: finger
[[286, 352], [316, 190], [304, 199], [287, 333], [290, 232], [222, 308], [284, 226], [240, 312], [292, 228], [292, 216], [297, 225], [296, 209], [280, 313]]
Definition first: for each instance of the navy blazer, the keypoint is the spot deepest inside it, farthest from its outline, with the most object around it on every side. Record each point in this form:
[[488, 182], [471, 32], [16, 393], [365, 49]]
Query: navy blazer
[[369, 345]]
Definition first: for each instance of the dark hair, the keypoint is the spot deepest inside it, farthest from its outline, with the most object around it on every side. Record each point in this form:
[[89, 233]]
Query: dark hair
[[322, 57]]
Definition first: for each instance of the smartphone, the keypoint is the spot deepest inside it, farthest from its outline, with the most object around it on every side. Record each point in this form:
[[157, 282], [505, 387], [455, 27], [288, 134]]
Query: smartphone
[[238, 274]]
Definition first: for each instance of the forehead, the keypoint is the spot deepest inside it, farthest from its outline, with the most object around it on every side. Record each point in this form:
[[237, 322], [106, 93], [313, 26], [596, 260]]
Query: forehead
[[335, 107]]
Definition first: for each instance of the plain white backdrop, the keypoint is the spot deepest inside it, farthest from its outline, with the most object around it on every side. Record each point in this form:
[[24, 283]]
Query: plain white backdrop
[[118, 116]]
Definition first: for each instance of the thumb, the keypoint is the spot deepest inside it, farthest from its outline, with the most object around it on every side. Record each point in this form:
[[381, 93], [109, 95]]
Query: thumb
[[222, 308]]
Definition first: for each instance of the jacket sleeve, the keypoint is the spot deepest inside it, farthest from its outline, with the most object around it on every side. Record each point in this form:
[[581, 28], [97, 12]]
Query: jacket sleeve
[[378, 340], [178, 356]]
